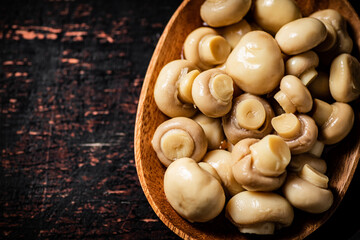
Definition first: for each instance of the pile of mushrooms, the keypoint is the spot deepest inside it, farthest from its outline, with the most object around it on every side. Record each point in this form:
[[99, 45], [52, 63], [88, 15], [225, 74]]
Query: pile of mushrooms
[[260, 92]]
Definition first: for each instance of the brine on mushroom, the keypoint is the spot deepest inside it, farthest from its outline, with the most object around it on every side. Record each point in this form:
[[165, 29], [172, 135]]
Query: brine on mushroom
[[225, 12], [212, 92], [174, 78], [298, 131], [177, 138], [192, 191], [303, 66], [301, 35], [334, 120], [256, 63], [259, 212], [206, 48], [249, 117]]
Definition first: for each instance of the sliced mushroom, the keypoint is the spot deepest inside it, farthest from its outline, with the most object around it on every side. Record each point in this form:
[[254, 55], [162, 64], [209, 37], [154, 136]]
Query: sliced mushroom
[[301, 35], [225, 12], [256, 63], [250, 117], [298, 131], [235, 32], [168, 87], [334, 121], [307, 190], [212, 128], [293, 95], [303, 66], [298, 161], [212, 92], [192, 191], [259, 212], [272, 15], [222, 162], [206, 48], [344, 81], [177, 138], [319, 87]]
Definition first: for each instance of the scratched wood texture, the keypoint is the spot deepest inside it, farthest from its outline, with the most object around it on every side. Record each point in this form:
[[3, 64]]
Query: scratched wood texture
[[70, 77]]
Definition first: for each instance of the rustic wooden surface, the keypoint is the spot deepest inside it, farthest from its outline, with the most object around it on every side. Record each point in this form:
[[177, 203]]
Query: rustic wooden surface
[[70, 77]]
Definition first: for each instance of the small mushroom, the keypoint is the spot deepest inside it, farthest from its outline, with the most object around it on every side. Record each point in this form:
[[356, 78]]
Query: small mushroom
[[222, 162], [177, 138], [212, 128], [330, 40], [225, 12], [235, 32], [169, 85], [206, 48], [319, 87], [298, 131], [344, 81], [317, 149], [212, 92], [259, 212], [334, 120], [272, 15], [192, 191], [293, 95], [307, 190], [298, 161], [303, 66], [256, 63], [250, 117], [301, 35]]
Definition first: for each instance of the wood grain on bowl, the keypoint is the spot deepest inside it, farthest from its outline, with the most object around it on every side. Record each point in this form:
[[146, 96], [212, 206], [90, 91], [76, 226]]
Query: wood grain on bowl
[[342, 158]]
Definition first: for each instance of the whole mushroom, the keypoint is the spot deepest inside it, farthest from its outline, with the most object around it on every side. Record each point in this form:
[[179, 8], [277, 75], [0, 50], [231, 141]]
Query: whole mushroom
[[250, 117], [225, 12], [259, 212], [177, 138], [303, 66], [192, 191], [175, 77], [256, 63], [298, 161]]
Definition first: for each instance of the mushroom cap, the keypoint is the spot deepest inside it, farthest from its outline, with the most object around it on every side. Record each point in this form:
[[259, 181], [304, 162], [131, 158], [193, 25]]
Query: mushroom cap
[[222, 162], [212, 92], [250, 208], [242, 148], [166, 91], [305, 195], [186, 125], [298, 64], [223, 13], [301, 35], [233, 33], [234, 132], [344, 80], [298, 161], [256, 63], [319, 87], [272, 15], [192, 191], [297, 93], [339, 124]]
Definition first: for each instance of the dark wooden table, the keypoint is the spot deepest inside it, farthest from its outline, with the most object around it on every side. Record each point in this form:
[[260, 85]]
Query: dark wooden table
[[70, 78]]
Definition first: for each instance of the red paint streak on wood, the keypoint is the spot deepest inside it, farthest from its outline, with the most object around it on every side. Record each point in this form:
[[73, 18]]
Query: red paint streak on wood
[[117, 191], [70, 60], [75, 33], [147, 220]]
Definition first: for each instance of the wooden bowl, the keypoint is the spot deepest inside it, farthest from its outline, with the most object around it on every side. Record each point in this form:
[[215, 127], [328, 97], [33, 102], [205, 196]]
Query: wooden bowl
[[342, 158]]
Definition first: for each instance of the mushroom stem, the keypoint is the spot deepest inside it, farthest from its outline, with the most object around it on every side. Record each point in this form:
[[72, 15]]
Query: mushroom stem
[[214, 49], [322, 111], [317, 149], [176, 144], [285, 102], [185, 86], [308, 76], [287, 125], [221, 87], [264, 228], [250, 114], [313, 176]]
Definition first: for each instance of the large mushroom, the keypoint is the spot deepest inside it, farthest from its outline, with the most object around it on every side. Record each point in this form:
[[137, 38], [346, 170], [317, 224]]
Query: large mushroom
[[225, 12], [177, 138], [250, 117], [334, 120], [212, 92], [259, 212], [256, 64], [192, 191], [173, 79], [298, 131]]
